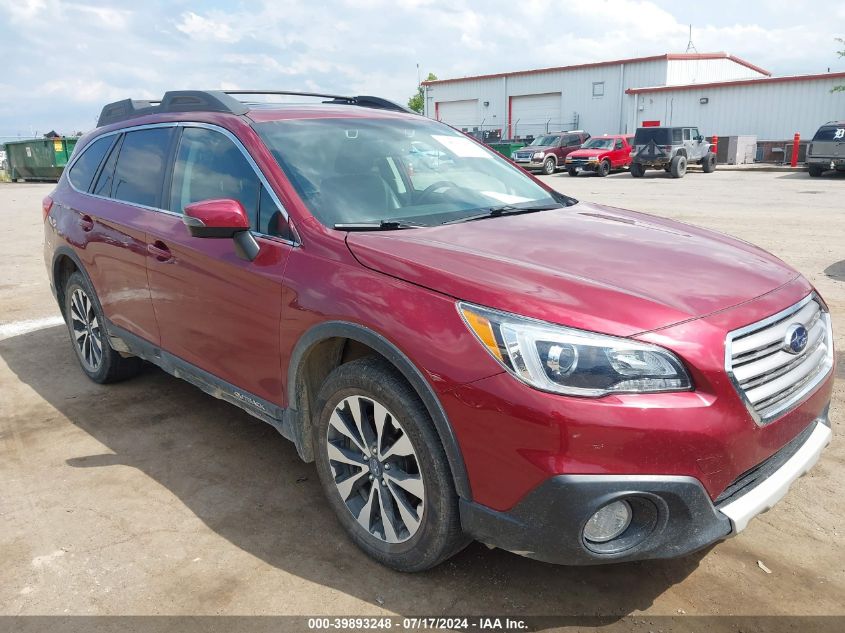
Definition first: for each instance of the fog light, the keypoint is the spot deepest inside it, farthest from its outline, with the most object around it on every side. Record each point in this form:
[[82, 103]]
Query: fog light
[[608, 523]]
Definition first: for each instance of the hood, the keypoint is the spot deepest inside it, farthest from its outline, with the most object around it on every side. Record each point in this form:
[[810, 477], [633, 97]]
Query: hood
[[587, 266], [586, 153]]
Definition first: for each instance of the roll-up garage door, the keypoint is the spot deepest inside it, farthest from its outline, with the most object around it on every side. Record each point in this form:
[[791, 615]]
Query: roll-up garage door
[[460, 114], [532, 115]]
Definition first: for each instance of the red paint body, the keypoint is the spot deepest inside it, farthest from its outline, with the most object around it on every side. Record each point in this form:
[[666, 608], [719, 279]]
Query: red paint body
[[587, 266]]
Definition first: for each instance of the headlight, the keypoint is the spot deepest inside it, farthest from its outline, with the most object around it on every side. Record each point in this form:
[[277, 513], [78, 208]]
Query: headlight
[[592, 159], [574, 362], [568, 159], [538, 155]]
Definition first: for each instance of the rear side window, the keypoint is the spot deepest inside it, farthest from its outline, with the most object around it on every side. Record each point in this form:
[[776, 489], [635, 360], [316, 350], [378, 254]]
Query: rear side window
[[830, 133], [660, 136], [209, 165], [139, 173], [85, 167]]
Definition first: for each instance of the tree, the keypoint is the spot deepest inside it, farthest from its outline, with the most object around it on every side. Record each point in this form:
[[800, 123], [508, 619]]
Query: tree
[[417, 102], [841, 54]]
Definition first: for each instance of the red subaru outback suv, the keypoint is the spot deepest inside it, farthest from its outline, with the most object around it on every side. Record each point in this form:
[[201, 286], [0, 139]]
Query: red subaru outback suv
[[464, 352]]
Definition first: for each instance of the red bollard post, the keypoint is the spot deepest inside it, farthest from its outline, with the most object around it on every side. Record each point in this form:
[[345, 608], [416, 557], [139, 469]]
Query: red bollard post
[[714, 141], [796, 142]]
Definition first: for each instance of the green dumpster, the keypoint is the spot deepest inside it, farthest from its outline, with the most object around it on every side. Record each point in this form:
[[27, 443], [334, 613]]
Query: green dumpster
[[506, 148], [40, 158]]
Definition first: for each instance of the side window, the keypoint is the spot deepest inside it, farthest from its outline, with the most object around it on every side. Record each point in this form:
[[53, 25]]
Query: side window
[[676, 136], [271, 219], [106, 177], [140, 167], [209, 165], [618, 144], [687, 134], [694, 133], [85, 167]]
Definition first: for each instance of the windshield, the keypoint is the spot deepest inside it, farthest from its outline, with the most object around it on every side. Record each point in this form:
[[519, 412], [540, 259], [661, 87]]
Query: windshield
[[645, 135], [598, 143], [358, 170], [546, 141]]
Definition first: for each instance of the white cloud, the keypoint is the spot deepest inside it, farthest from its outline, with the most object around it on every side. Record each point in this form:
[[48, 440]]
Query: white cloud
[[201, 28]]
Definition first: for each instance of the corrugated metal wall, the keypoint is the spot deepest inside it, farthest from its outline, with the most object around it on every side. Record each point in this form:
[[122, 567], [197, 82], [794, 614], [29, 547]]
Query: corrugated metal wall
[[608, 113], [685, 71], [769, 110]]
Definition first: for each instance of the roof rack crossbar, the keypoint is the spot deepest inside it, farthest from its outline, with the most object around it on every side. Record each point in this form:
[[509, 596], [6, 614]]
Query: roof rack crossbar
[[223, 101]]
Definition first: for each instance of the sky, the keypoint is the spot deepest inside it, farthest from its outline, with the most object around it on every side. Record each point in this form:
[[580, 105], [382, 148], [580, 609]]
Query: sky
[[62, 61]]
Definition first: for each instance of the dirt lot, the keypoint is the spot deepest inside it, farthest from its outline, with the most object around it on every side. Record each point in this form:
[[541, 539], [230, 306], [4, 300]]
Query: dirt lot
[[149, 497]]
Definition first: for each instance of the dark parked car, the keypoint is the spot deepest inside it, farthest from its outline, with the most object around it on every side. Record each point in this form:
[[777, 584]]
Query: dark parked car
[[670, 149], [827, 150], [464, 352], [548, 152]]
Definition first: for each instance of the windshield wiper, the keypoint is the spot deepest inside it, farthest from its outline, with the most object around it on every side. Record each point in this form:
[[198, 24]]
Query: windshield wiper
[[507, 209], [384, 225]]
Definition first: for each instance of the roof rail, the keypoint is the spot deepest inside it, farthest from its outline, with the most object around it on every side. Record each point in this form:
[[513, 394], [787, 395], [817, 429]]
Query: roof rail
[[366, 101], [222, 101], [172, 101]]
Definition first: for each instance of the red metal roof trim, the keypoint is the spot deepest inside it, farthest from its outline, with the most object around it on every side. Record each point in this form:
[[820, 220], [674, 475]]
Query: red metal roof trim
[[631, 60], [737, 82]]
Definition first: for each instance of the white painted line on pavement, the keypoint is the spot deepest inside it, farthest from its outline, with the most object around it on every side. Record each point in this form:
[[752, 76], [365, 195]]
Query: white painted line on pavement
[[16, 328]]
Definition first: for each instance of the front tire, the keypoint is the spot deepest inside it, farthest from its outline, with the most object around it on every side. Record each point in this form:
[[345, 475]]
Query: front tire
[[708, 163], [815, 170], [383, 468], [86, 325], [549, 166], [678, 166], [572, 172], [603, 168]]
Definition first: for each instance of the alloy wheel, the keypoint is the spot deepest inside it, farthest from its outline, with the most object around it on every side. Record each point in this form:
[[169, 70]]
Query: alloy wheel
[[85, 327], [375, 468]]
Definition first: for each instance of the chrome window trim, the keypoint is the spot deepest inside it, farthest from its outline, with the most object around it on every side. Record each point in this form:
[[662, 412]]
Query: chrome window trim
[[184, 124], [795, 400]]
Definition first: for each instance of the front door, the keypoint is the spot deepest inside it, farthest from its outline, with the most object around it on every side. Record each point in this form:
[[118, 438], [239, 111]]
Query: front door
[[215, 310]]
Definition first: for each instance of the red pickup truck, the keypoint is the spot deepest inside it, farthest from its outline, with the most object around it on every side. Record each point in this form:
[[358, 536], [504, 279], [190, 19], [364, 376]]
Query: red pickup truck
[[601, 154]]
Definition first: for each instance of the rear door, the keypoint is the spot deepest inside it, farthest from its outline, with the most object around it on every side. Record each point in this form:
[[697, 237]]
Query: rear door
[[215, 310], [829, 141], [113, 213]]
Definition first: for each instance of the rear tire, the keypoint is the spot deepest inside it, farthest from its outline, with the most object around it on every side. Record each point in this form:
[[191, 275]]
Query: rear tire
[[815, 170], [708, 163], [678, 166], [373, 434], [603, 168], [86, 326], [637, 170], [549, 166], [572, 172]]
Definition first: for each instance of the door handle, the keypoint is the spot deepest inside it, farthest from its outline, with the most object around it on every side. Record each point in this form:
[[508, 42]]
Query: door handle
[[86, 223], [159, 250]]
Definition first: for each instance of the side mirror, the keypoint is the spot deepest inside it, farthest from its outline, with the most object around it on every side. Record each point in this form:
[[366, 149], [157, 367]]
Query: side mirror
[[222, 218]]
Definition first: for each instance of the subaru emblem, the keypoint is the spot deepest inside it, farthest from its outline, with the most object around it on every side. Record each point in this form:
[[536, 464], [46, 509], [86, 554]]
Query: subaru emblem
[[795, 339]]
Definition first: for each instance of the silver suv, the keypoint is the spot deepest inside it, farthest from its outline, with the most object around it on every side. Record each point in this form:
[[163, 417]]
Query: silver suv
[[827, 151], [670, 149]]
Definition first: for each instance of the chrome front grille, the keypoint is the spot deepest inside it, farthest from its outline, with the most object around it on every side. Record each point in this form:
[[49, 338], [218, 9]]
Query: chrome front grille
[[769, 376]]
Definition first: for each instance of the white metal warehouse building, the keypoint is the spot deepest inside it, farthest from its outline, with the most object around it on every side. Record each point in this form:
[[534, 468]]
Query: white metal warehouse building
[[720, 93]]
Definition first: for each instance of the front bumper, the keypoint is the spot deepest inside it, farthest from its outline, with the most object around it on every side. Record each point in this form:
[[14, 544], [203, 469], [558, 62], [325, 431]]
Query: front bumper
[[532, 164], [672, 515], [583, 165]]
